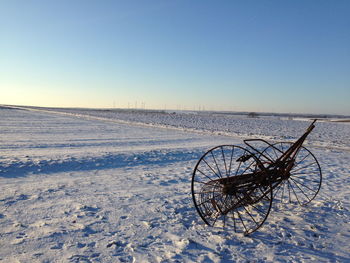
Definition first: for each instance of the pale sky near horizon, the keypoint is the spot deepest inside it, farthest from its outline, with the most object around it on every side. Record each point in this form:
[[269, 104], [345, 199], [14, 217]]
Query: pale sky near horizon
[[271, 56]]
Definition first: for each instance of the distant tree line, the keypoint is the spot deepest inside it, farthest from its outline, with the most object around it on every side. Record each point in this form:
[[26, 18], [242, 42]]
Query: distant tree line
[[253, 115]]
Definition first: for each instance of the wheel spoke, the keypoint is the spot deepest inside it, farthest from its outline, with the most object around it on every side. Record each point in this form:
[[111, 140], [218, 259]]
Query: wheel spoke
[[297, 182], [303, 193], [207, 200], [278, 188], [271, 157], [205, 174], [223, 157], [229, 170], [207, 192], [282, 147], [217, 167], [303, 178], [239, 215], [296, 196], [303, 167], [250, 216], [200, 182], [302, 159], [257, 209], [239, 166], [273, 148], [211, 168], [248, 167]]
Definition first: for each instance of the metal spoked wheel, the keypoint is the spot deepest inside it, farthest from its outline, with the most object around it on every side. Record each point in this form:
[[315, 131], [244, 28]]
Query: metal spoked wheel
[[304, 181], [229, 191]]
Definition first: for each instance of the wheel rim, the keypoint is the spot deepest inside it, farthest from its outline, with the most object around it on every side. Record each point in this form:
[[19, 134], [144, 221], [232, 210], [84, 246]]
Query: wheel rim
[[223, 202], [305, 179]]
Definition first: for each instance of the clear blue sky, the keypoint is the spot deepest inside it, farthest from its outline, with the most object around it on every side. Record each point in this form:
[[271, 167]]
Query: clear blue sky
[[280, 56]]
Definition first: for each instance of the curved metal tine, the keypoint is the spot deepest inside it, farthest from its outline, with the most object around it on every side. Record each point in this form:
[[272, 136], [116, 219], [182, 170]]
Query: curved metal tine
[[207, 211], [216, 218], [239, 201], [207, 192], [207, 215], [235, 219], [209, 198], [202, 203], [219, 213], [224, 203]]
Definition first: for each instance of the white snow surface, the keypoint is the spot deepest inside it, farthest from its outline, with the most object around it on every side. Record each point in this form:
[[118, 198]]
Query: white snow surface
[[114, 186]]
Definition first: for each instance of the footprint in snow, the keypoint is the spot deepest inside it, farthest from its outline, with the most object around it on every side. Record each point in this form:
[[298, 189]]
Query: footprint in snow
[[57, 246], [86, 245], [12, 200], [169, 182], [84, 258], [85, 210], [122, 250]]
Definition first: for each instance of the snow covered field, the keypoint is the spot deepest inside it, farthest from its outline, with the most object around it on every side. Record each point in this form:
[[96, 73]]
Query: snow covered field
[[104, 186]]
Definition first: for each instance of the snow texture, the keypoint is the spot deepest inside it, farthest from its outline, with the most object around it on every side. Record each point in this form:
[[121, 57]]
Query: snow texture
[[114, 186]]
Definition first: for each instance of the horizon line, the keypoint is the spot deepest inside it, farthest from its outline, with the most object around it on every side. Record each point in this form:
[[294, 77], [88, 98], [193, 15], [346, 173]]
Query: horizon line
[[261, 113]]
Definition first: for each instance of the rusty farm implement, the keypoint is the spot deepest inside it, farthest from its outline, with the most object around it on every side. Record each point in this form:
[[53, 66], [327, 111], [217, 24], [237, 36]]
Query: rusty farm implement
[[235, 187]]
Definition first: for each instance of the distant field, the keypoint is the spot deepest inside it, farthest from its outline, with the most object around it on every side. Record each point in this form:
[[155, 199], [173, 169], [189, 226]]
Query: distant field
[[331, 134]]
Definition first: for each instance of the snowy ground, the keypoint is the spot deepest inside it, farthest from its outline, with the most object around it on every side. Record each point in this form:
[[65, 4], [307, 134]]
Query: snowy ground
[[86, 187]]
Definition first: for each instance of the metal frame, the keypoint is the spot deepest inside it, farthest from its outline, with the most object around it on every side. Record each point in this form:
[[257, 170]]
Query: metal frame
[[245, 196]]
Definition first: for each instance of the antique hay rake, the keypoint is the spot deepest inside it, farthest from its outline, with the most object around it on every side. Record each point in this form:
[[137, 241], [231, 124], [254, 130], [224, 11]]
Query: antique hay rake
[[235, 187]]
